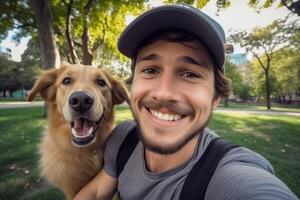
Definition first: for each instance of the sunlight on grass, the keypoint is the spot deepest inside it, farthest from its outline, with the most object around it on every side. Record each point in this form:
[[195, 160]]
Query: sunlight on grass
[[122, 114]]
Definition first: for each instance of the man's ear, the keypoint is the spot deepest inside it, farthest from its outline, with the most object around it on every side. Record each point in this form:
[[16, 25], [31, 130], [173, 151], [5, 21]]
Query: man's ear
[[216, 102], [118, 90], [44, 85]]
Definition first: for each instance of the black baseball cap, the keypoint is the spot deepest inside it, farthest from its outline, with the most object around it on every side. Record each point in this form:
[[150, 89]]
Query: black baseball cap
[[180, 16]]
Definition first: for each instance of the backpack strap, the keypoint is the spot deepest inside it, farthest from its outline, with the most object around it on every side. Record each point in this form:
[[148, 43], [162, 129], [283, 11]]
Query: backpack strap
[[198, 179], [126, 149]]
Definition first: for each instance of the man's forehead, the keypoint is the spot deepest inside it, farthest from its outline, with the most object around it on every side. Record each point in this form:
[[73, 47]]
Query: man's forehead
[[195, 51]]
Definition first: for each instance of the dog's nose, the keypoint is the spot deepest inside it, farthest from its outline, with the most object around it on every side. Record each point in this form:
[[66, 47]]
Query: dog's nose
[[81, 101]]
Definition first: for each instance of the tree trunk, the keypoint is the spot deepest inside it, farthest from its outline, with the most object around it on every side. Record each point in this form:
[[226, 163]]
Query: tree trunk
[[293, 6], [43, 16], [73, 54], [49, 51], [290, 98], [267, 89], [226, 103], [87, 55]]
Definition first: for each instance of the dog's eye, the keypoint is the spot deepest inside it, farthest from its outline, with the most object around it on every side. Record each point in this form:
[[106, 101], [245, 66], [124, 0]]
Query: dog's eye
[[67, 81], [101, 82]]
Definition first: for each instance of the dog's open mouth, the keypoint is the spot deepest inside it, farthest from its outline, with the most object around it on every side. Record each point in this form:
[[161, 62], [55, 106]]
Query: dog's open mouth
[[84, 131]]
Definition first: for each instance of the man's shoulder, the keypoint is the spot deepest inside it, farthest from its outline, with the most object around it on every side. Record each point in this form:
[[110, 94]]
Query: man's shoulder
[[244, 178], [120, 131], [237, 155], [113, 145], [242, 155], [244, 174]]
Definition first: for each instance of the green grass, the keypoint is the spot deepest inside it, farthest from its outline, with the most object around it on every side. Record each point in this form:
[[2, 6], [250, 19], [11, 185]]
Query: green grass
[[276, 138]]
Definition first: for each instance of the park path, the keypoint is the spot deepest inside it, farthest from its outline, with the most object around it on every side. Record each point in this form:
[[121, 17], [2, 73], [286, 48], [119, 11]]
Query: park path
[[219, 110], [257, 112], [21, 104]]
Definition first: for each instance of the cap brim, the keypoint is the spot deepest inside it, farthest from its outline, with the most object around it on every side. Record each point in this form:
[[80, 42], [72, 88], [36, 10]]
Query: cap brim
[[174, 16]]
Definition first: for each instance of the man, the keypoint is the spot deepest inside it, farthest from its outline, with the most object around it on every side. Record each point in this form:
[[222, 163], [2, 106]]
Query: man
[[177, 80]]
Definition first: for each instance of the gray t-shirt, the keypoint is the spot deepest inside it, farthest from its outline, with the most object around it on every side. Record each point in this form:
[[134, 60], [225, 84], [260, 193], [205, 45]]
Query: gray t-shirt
[[241, 174]]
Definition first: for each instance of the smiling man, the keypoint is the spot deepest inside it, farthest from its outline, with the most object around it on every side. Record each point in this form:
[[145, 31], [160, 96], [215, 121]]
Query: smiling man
[[167, 152]]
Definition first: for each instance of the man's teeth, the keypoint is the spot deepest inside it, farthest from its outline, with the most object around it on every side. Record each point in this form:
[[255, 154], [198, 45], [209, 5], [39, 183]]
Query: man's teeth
[[164, 116], [80, 135]]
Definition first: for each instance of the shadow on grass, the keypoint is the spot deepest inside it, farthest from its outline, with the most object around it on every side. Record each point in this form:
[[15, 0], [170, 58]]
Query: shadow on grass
[[20, 133]]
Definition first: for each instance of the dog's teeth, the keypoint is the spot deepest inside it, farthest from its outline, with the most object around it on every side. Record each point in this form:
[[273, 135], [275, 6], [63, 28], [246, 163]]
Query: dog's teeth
[[74, 132], [90, 131], [78, 135]]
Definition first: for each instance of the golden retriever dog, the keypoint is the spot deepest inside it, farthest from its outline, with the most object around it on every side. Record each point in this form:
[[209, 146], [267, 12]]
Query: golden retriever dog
[[80, 103]]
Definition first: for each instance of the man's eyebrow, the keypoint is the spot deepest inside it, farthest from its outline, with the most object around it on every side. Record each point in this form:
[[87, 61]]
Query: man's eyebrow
[[190, 60], [152, 56]]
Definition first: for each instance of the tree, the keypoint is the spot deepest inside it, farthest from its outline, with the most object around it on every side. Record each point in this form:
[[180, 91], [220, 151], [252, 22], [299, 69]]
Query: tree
[[30, 18], [263, 41], [292, 5], [6, 75], [14, 75], [258, 80], [239, 88], [286, 64], [43, 18], [82, 26], [31, 65], [91, 26]]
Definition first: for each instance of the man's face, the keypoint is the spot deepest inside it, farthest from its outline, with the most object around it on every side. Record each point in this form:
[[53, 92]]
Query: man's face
[[172, 93]]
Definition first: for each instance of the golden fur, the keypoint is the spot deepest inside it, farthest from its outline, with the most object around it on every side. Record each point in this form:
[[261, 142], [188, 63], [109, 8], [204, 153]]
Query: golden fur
[[64, 164]]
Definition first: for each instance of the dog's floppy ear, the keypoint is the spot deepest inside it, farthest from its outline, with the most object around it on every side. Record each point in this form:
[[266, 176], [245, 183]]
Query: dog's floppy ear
[[119, 91], [44, 85]]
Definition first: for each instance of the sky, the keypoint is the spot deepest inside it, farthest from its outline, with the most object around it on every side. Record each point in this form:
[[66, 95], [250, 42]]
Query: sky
[[239, 16]]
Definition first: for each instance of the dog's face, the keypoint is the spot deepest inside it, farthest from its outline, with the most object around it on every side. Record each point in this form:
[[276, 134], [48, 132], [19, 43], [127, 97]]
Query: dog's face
[[83, 95]]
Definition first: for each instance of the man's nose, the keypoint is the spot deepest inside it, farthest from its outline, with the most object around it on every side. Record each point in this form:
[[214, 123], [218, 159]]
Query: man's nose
[[166, 89]]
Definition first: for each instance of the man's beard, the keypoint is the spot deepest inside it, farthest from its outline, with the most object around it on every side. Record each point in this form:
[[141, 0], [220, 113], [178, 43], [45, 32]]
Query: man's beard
[[171, 149]]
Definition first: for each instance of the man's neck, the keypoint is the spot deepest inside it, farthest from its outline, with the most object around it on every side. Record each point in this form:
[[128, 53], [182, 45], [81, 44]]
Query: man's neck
[[159, 163]]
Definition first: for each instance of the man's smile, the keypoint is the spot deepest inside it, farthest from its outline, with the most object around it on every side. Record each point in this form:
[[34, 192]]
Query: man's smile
[[163, 119], [165, 116]]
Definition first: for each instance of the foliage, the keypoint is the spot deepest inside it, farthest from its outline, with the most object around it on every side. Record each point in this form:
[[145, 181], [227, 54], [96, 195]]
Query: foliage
[[240, 89], [31, 64], [16, 15], [292, 5], [86, 26], [258, 79], [264, 41], [81, 27], [14, 75], [8, 75], [284, 74]]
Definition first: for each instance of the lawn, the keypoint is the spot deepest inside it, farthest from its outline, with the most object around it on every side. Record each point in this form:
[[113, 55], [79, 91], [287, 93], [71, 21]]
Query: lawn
[[275, 137]]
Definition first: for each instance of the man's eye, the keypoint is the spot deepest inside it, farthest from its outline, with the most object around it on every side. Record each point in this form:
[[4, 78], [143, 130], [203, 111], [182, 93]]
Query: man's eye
[[149, 70], [190, 75], [67, 81]]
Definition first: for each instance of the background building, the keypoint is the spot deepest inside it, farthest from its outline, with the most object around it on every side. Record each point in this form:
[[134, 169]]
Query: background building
[[6, 52]]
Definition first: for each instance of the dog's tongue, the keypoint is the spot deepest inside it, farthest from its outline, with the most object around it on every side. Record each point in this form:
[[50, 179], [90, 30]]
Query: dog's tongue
[[82, 126]]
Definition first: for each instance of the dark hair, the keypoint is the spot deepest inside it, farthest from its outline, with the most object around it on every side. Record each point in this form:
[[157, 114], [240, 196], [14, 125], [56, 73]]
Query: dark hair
[[222, 83]]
